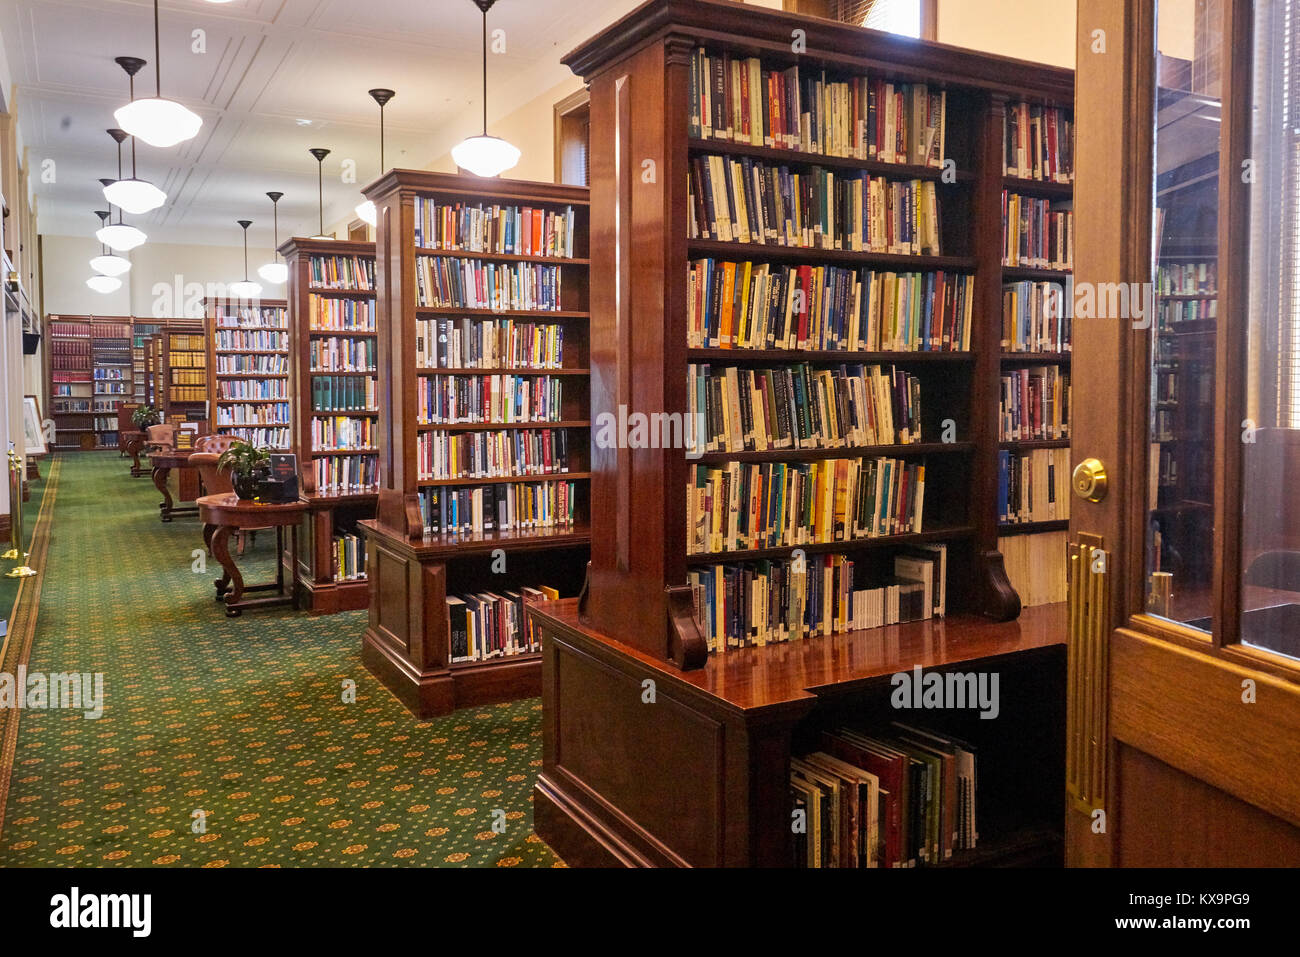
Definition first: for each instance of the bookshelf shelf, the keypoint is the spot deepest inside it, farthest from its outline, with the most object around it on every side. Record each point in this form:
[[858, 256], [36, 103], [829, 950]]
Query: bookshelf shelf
[[1035, 273], [501, 257], [850, 451], [1035, 444], [228, 321], [506, 480], [739, 715], [494, 426], [1031, 528], [1035, 358], [503, 313], [1038, 187]]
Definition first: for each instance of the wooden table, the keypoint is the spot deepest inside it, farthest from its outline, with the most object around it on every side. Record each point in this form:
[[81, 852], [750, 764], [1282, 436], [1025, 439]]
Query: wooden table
[[133, 445], [188, 481], [227, 513]]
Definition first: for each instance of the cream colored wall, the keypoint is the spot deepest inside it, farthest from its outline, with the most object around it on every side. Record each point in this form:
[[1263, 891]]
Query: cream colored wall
[[152, 265], [1176, 28], [1038, 30]]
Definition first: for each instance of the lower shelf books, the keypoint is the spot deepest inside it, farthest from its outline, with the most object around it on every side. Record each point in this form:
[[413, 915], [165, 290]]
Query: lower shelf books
[[499, 454], [262, 438], [906, 799], [349, 558], [764, 602], [738, 505], [1035, 566], [489, 625], [1033, 487], [1036, 316], [486, 508], [1034, 404], [346, 474]]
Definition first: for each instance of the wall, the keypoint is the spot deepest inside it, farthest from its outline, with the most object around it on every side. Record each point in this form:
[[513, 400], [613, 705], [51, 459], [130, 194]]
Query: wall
[[66, 272], [1038, 30]]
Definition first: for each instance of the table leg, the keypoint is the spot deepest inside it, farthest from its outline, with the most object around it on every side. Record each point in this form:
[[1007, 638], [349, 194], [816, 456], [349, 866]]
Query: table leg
[[221, 549], [223, 582], [160, 483], [279, 559], [293, 565]]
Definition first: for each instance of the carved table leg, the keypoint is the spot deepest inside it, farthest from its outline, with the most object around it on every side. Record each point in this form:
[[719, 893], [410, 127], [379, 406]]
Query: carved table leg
[[223, 582], [221, 549], [160, 483]]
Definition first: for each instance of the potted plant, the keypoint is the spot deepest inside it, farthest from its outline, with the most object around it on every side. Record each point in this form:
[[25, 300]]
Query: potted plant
[[145, 416], [247, 463]]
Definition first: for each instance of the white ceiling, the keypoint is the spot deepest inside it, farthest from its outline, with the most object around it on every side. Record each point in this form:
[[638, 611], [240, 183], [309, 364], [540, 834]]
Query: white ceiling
[[277, 77]]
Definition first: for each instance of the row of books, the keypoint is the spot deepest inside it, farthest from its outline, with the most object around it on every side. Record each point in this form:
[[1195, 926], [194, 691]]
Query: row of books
[[349, 557], [488, 229], [499, 508], [488, 344], [340, 315], [737, 506], [185, 342], [341, 354], [488, 625], [252, 389], [501, 454], [62, 359], [744, 200], [748, 306], [346, 474], [187, 360], [253, 340], [252, 317], [341, 432], [1034, 404], [448, 399], [189, 376], [244, 413], [739, 100], [1187, 279], [105, 424], [802, 407], [61, 328], [335, 393], [1038, 143], [263, 438], [108, 405], [1036, 316], [188, 394], [110, 373], [1033, 486], [758, 603], [72, 405], [1036, 235], [111, 330], [270, 365], [444, 282], [112, 388], [905, 799], [1171, 312], [341, 272], [1035, 566]]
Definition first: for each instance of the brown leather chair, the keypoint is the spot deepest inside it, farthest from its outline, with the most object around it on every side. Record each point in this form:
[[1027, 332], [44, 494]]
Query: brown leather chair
[[207, 451], [161, 438]]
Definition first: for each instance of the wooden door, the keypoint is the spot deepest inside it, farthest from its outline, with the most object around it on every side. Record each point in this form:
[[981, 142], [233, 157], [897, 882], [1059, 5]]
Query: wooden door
[[1184, 664]]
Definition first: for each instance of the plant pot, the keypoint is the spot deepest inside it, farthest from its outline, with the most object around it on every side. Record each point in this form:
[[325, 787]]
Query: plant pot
[[246, 485]]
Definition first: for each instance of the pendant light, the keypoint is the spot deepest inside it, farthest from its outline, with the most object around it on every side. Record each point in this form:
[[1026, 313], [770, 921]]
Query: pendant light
[[367, 210], [157, 121], [485, 155], [275, 272], [133, 195], [106, 263], [245, 288], [118, 236], [104, 284], [320, 155]]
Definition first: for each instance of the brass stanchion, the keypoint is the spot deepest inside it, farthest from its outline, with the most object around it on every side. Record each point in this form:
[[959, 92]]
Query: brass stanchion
[[16, 517]]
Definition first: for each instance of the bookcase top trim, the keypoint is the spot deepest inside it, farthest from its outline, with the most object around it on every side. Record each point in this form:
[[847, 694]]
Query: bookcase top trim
[[415, 182], [302, 246]]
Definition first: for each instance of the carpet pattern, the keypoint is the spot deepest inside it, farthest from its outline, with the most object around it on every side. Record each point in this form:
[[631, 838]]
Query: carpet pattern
[[229, 742]]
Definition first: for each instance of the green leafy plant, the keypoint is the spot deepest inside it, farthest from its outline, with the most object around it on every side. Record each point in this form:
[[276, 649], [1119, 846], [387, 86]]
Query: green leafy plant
[[145, 416], [243, 459]]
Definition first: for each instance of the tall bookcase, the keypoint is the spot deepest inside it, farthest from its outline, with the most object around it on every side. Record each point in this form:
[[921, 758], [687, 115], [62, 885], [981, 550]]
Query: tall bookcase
[[153, 364], [72, 381], [724, 727], [141, 331], [183, 383], [114, 381], [334, 387], [432, 328], [248, 347]]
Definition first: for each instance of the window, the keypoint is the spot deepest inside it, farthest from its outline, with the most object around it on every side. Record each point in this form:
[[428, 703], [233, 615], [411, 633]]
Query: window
[[905, 17], [572, 132]]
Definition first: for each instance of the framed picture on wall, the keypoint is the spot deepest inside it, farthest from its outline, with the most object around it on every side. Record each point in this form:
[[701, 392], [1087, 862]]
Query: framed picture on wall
[[33, 437]]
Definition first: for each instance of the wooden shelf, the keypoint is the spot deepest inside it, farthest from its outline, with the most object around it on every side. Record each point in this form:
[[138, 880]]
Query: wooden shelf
[[809, 355], [818, 548], [908, 262], [1035, 273], [851, 451], [538, 315], [495, 426], [1036, 358], [798, 157], [1046, 189], [501, 257], [343, 333], [504, 480], [453, 547], [1032, 528], [504, 370], [1026, 444], [341, 293]]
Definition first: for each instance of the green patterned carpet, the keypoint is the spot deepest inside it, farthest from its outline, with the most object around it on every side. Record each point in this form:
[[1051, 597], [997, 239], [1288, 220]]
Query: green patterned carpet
[[242, 719]]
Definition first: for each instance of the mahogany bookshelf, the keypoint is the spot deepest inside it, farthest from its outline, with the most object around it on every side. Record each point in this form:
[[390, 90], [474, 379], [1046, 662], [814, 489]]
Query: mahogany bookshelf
[[407, 642], [182, 387], [723, 727], [329, 308], [91, 376], [141, 332], [248, 343]]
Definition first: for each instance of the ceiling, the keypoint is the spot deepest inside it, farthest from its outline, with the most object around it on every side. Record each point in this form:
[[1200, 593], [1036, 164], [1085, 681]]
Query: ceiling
[[270, 78]]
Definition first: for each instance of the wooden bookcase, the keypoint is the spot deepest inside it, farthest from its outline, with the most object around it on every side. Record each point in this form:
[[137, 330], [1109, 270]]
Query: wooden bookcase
[[183, 387], [72, 382], [113, 379], [723, 728], [153, 369], [320, 301], [407, 640], [141, 332], [248, 346]]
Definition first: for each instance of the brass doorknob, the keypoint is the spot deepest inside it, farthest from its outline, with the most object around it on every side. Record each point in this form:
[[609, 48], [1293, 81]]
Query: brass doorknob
[[1089, 480]]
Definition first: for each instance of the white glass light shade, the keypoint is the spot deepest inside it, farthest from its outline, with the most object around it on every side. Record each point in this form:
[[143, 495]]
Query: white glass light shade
[[120, 238], [110, 265], [104, 283], [245, 289], [485, 155], [158, 122], [368, 213], [134, 195], [274, 273]]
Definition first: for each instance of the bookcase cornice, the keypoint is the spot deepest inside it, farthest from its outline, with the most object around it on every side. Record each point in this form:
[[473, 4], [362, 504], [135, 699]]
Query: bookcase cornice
[[409, 183], [299, 245]]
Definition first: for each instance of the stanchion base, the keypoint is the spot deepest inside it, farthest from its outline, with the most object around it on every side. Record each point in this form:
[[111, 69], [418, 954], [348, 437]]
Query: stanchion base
[[22, 571], [12, 554]]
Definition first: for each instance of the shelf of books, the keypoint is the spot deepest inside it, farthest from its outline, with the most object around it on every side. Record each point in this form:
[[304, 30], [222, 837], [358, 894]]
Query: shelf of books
[[141, 331], [72, 381], [248, 370], [483, 431], [333, 384], [113, 379], [797, 256], [153, 363], [1033, 492], [183, 384]]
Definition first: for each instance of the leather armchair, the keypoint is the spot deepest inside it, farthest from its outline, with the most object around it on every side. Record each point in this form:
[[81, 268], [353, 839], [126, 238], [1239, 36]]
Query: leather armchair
[[161, 438]]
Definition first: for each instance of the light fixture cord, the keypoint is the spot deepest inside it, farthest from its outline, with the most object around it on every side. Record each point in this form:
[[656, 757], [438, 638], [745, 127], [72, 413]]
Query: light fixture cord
[[275, 233], [484, 71], [381, 139], [157, 55], [245, 254], [320, 194]]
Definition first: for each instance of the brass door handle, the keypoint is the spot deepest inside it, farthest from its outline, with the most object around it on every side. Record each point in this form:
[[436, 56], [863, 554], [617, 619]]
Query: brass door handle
[[1089, 480]]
